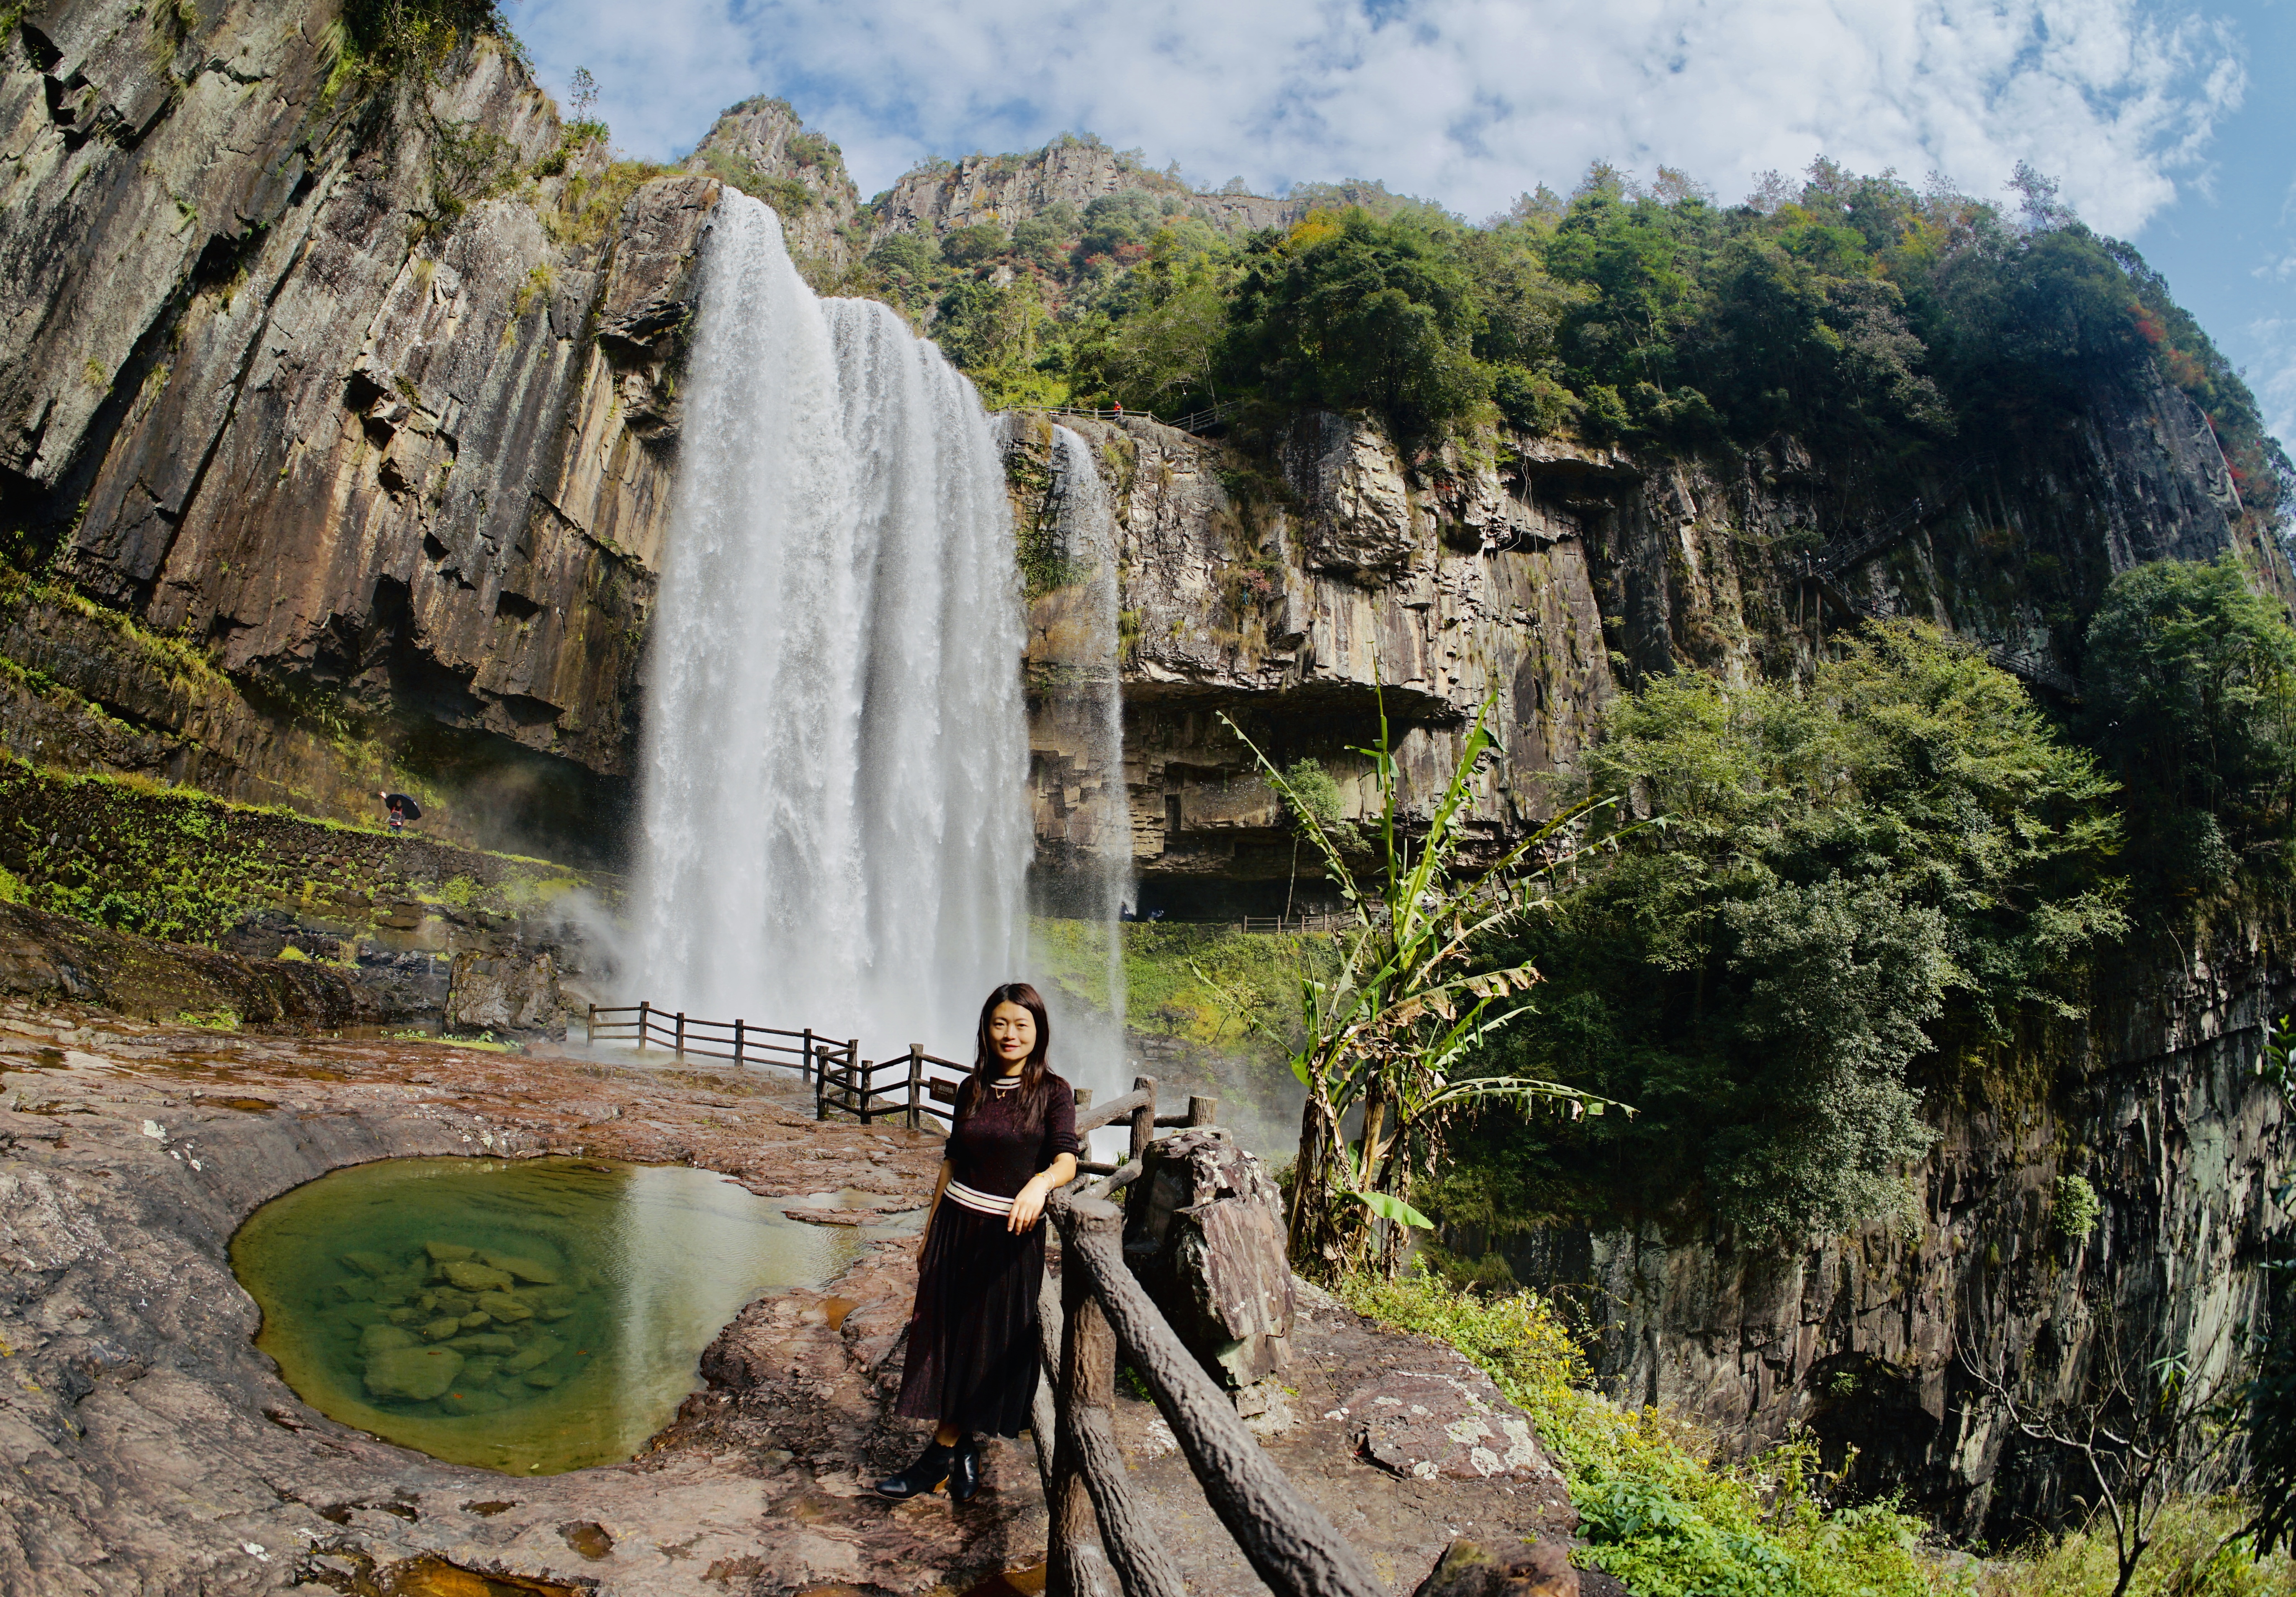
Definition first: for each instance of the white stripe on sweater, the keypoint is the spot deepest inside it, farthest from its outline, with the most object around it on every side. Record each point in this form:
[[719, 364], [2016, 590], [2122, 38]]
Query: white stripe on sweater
[[979, 1202]]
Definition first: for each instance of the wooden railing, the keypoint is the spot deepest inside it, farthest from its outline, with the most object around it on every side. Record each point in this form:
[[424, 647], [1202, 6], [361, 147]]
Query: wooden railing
[[740, 1041], [1302, 922], [1838, 556], [909, 1087], [1096, 1526], [1195, 421]]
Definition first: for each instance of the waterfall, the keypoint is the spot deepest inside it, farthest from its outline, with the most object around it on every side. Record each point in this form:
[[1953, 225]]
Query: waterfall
[[1089, 535], [1084, 711], [835, 826]]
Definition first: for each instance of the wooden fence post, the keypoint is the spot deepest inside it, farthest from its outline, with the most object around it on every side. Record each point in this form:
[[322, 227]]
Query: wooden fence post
[[645, 1009], [590, 1033], [856, 1077], [820, 1084], [916, 1083], [1203, 1111], [1087, 1377], [1088, 1486], [1144, 1118], [1083, 1098], [681, 1033], [737, 1042], [804, 1068]]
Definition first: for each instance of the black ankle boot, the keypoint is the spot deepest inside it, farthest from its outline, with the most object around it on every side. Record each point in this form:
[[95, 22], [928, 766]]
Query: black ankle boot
[[964, 1469], [929, 1471]]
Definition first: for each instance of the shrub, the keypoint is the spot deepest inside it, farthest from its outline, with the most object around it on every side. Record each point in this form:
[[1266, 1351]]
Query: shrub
[[2191, 698], [2075, 1210]]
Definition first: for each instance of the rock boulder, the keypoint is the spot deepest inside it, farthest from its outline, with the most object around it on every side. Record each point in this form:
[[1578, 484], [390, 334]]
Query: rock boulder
[[1423, 1423], [1204, 1233]]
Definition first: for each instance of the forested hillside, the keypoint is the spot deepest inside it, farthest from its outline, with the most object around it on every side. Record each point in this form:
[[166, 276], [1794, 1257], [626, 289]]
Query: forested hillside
[[1855, 312]]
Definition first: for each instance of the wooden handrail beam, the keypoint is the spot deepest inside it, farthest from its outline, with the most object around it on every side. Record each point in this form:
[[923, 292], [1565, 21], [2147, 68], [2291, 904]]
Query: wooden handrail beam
[[1085, 1452], [1115, 1109], [1287, 1540]]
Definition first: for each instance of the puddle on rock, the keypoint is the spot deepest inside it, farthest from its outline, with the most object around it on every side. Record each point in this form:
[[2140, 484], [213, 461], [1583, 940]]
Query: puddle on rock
[[529, 1316]]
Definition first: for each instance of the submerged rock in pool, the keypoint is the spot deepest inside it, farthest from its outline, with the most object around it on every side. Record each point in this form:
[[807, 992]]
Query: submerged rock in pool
[[413, 1372], [473, 1277], [529, 1270], [454, 1306], [382, 1338], [545, 1349]]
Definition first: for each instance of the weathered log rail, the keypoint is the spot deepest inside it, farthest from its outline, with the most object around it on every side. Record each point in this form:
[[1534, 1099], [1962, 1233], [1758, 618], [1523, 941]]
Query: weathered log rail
[[1097, 1528]]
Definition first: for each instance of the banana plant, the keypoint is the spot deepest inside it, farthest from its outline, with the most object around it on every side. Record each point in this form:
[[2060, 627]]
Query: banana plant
[[1387, 1029]]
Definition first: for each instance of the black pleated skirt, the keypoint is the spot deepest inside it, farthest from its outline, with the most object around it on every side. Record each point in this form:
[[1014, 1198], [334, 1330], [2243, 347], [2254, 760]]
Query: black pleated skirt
[[971, 1357]]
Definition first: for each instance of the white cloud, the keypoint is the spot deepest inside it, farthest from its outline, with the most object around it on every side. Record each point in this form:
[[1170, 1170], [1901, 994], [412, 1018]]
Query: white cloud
[[1464, 100]]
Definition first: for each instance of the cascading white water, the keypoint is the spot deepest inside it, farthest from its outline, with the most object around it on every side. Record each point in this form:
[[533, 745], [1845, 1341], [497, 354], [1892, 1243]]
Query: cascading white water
[[1088, 538], [835, 823]]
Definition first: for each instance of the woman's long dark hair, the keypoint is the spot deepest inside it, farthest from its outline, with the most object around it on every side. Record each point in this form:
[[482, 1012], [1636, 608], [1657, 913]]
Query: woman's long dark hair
[[988, 1065]]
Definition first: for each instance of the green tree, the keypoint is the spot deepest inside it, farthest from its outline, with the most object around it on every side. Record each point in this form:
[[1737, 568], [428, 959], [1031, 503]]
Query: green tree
[[1386, 1031], [1900, 859], [1356, 314], [2190, 679]]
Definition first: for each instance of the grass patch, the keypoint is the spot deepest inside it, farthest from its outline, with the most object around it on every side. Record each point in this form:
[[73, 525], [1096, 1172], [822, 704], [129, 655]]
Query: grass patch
[[175, 863], [210, 1020], [1253, 977], [2196, 1553], [484, 1042], [1669, 1523]]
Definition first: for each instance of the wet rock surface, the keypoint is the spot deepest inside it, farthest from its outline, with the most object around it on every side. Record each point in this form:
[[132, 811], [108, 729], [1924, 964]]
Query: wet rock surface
[[150, 1447]]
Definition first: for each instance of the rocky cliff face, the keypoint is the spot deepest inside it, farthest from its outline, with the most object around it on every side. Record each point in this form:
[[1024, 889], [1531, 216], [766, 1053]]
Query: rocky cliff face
[[1009, 189], [370, 400], [1536, 574], [1542, 585], [1876, 1341], [761, 147]]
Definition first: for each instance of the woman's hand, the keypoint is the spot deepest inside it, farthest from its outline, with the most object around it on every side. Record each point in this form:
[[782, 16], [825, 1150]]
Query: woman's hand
[[1028, 1204]]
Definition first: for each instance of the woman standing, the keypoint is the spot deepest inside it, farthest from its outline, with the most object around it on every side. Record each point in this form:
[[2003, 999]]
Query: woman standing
[[972, 1336]]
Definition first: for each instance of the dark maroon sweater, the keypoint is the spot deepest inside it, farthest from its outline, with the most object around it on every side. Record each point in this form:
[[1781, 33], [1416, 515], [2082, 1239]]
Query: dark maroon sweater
[[996, 1149]]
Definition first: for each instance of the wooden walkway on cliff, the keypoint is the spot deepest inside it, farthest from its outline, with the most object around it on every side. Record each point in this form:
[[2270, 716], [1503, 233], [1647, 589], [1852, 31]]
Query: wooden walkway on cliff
[[1102, 1544]]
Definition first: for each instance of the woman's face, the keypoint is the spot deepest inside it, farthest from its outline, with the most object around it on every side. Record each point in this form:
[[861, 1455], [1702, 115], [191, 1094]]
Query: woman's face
[[1013, 1031]]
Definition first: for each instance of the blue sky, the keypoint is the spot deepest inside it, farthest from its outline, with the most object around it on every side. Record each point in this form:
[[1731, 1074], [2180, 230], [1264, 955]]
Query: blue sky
[[2171, 124]]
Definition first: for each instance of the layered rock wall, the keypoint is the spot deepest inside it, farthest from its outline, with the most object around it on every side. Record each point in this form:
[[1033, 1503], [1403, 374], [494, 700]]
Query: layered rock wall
[[1295, 592], [1885, 1340], [370, 397]]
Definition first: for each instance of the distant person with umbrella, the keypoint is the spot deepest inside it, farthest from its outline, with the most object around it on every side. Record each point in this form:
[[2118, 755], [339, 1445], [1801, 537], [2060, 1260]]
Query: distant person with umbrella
[[403, 809]]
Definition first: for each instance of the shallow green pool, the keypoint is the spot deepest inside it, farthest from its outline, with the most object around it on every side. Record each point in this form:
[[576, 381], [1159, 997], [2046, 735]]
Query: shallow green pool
[[529, 1316]]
